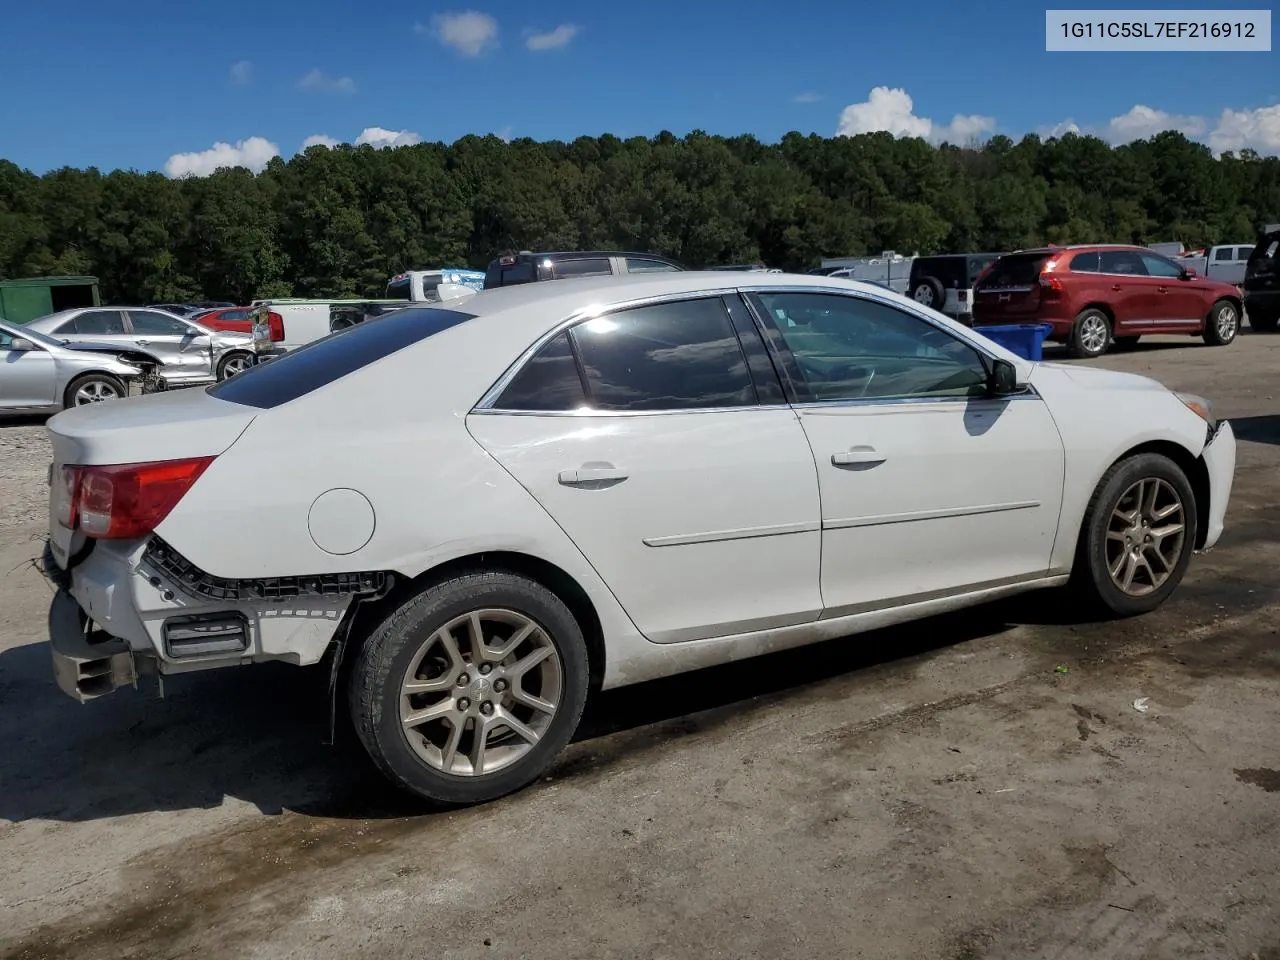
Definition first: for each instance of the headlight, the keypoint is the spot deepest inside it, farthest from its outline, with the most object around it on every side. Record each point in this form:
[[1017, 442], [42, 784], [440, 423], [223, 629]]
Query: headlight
[[1199, 406]]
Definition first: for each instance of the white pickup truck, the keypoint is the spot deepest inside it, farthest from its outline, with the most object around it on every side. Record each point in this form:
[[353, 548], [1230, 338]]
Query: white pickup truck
[[1225, 262]]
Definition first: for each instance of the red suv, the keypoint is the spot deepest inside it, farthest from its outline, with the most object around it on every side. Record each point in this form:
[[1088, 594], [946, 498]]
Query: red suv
[[1102, 294]]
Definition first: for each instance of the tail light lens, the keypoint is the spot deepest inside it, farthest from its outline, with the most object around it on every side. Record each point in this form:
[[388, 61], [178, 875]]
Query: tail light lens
[[275, 324], [125, 501], [1051, 287]]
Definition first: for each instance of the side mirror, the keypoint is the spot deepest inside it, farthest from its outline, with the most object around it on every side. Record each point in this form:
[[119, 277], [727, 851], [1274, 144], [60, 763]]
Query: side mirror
[[1188, 273], [1003, 380], [21, 344]]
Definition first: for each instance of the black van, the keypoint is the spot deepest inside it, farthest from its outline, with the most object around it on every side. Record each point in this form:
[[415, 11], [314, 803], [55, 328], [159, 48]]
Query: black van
[[1262, 280], [527, 267], [946, 282]]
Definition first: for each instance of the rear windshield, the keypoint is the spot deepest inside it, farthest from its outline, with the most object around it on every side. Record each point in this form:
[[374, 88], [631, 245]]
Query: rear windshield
[[399, 289], [504, 275], [1016, 270], [330, 358]]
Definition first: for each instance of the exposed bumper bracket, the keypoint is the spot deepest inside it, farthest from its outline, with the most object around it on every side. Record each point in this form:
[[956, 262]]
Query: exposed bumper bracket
[[85, 668]]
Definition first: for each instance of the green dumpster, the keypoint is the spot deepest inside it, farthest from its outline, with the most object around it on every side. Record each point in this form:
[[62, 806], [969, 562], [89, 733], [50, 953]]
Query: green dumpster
[[22, 301]]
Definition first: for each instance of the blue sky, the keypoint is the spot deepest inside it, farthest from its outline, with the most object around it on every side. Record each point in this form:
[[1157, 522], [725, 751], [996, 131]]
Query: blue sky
[[87, 84]]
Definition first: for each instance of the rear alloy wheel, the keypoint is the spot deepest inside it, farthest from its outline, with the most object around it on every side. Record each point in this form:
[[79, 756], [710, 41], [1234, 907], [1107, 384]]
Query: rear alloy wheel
[[234, 363], [928, 292], [1223, 324], [1139, 535], [1090, 334], [471, 688], [93, 388]]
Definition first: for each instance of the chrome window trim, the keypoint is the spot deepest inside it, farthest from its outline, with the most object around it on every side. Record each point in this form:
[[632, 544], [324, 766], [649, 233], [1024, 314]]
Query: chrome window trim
[[486, 404]]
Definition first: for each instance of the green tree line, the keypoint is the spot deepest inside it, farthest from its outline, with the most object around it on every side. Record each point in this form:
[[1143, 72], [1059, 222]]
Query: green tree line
[[339, 222]]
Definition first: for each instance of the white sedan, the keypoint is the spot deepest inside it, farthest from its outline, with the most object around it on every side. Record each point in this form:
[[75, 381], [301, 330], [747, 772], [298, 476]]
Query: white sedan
[[478, 514]]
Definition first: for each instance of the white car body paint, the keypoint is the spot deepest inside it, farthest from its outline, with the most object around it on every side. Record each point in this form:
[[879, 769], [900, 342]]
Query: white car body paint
[[714, 547]]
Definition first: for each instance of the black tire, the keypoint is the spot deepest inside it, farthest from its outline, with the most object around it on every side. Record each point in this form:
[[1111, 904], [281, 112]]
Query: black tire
[[226, 361], [389, 652], [105, 380], [1083, 340], [929, 292], [1091, 575], [1222, 324], [1126, 343], [1263, 322]]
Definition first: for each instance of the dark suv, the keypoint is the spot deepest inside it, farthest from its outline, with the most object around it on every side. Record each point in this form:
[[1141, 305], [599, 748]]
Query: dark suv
[[946, 282], [1262, 281], [526, 267]]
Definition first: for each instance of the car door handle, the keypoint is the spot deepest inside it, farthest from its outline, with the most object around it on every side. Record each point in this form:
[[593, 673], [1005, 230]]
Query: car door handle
[[857, 456], [1115, 287], [142, 341], [1162, 289], [584, 475]]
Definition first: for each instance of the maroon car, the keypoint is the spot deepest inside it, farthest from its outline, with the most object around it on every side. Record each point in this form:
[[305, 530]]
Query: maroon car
[[232, 319], [1103, 294]]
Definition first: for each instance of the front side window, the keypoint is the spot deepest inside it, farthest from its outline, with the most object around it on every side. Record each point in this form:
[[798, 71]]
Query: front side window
[[154, 324], [849, 348], [594, 267], [1157, 266], [103, 323]]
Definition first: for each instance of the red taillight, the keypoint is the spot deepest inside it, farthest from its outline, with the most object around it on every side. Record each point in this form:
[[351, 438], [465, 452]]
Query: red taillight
[[1051, 287], [124, 501], [275, 324]]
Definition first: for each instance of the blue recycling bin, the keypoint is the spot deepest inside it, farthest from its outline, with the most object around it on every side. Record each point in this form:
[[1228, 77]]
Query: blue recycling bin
[[1024, 339]]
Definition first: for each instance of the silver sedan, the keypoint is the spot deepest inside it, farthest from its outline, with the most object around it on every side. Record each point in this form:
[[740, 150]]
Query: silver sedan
[[191, 354], [39, 374]]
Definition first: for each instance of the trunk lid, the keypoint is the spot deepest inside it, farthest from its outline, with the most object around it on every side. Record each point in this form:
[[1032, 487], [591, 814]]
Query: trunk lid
[[161, 426], [1011, 288]]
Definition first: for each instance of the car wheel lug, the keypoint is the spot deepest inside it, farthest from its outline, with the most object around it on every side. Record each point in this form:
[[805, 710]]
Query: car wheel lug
[[463, 680], [486, 708], [464, 704], [499, 685], [485, 669]]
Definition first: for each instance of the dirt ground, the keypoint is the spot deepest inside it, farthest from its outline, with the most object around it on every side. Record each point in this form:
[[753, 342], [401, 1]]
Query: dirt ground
[[974, 786]]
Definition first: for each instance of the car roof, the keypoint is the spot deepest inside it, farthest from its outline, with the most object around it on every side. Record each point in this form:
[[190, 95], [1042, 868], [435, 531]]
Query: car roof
[[552, 254]]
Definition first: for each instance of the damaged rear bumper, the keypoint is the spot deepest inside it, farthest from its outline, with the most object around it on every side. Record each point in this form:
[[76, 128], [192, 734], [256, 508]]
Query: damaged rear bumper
[[87, 664]]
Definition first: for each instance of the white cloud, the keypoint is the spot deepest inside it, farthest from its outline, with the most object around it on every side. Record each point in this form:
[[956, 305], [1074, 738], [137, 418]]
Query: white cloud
[[1143, 121], [1258, 129], [253, 153], [469, 32], [892, 110], [320, 140], [807, 97], [381, 137], [1061, 129], [504, 134], [554, 39], [321, 82], [241, 72]]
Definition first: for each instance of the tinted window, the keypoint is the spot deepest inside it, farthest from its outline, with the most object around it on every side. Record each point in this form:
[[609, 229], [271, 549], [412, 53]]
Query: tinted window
[[399, 289], [848, 348], [1225, 253], [977, 265], [1160, 267], [157, 324], [322, 361], [235, 315], [1245, 253], [104, 323], [549, 381], [671, 356], [1018, 270], [639, 265], [582, 268], [1085, 262], [1121, 261]]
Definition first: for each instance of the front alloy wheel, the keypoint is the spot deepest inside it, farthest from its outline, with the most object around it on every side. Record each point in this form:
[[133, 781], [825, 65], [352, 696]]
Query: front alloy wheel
[[471, 687], [1223, 324], [1145, 536]]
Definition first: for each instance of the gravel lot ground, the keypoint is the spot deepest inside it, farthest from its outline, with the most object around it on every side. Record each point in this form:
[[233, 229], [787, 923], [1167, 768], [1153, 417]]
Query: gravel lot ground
[[939, 791]]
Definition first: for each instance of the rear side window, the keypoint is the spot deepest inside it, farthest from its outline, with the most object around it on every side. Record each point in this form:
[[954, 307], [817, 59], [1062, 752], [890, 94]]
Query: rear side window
[[593, 267], [330, 358], [104, 323], [1121, 262], [1019, 270], [670, 356], [640, 265], [1225, 253], [1085, 262], [157, 324], [548, 381], [1245, 253]]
